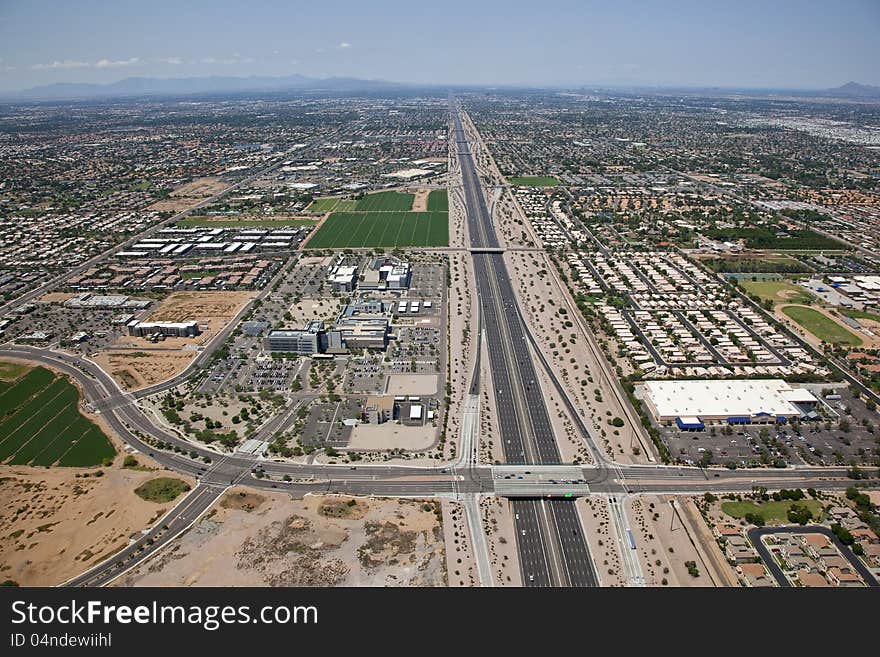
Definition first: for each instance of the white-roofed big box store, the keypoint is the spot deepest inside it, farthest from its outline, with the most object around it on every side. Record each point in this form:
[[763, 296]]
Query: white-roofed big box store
[[735, 401]]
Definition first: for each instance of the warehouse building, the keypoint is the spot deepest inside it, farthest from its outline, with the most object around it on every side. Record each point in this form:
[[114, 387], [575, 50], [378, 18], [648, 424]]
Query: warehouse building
[[693, 404]]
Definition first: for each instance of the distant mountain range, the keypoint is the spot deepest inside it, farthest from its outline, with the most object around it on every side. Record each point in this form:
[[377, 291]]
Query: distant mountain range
[[854, 90], [197, 85], [142, 86]]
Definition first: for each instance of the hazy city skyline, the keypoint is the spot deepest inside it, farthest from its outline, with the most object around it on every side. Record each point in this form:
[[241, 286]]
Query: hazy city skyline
[[784, 45]]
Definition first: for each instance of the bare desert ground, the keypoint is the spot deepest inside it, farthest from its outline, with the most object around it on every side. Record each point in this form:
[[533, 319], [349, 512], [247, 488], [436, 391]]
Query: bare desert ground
[[498, 526], [461, 570], [596, 518], [461, 312], [58, 522], [268, 539], [135, 372]]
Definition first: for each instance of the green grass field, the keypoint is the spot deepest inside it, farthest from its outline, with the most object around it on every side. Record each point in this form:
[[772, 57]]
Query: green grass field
[[325, 204], [211, 222], [860, 314], [161, 489], [777, 291], [385, 202], [40, 423], [824, 328], [438, 201], [11, 371], [381, 229], [534, 181], [772, 511]]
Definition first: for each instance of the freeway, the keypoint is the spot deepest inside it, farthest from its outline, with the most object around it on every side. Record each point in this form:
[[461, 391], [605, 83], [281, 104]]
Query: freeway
[[550, 540]]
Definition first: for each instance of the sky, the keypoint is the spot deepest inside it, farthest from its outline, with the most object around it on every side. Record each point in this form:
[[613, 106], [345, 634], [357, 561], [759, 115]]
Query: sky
[[797, 44]]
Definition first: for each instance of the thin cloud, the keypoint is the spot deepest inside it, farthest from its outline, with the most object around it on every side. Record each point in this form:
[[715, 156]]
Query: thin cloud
[[235, 59], [64, 64], [344, 45], [173, 61], [117, 63]]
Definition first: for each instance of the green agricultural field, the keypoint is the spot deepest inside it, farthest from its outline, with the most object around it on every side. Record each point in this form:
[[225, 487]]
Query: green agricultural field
[[325, 204], [438, 201], [40, 423], [381, 229], [211, 222], [386, 202], [822, 326], [777, 291], [772, 511], [534, 181], [161, 489]]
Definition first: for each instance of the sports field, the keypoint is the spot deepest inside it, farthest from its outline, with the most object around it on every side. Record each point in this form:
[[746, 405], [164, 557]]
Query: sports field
[[383, 229], [438, 201], [534, 181], [385, 202], [777, 291], [823, 327], [40, 423]]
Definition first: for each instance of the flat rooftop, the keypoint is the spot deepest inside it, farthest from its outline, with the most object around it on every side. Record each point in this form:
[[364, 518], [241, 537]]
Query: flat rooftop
[[725, 398]]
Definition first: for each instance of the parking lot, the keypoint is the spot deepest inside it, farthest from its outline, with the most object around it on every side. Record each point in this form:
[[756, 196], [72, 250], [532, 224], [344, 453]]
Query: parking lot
[[847, 433]]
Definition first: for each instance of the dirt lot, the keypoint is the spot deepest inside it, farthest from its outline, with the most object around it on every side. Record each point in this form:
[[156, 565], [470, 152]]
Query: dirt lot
[[57, 523], [136, 362], [56, 297], [258, 539], [214, 309], [391, 435], [189, 194], [420, 202], [412, 384]]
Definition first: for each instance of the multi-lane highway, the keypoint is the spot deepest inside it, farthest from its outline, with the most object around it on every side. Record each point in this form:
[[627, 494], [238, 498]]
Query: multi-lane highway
[[550, 541]]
